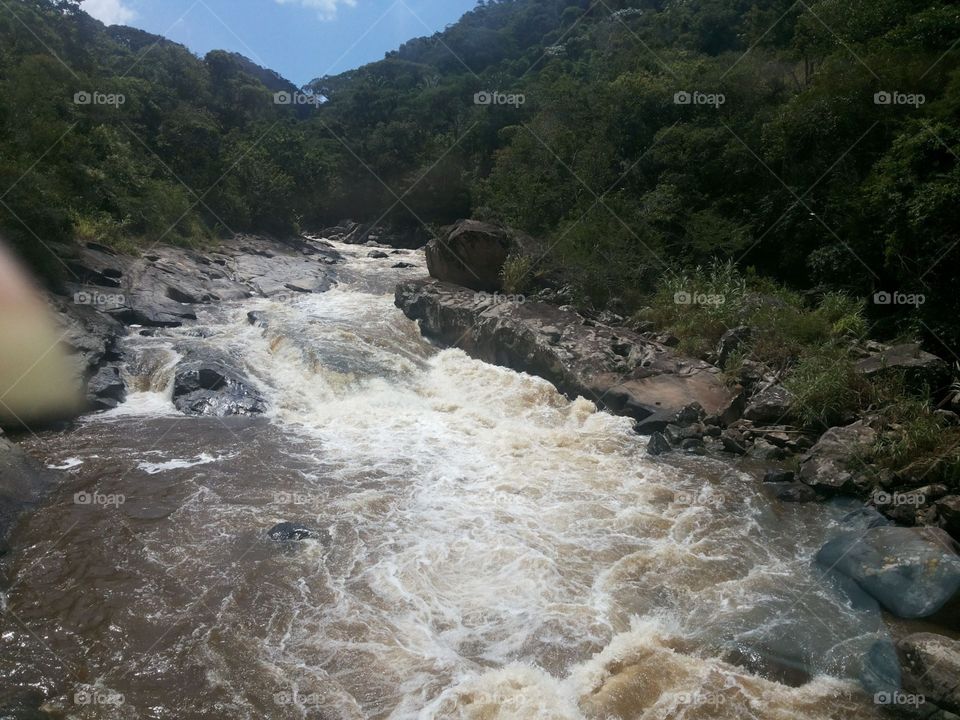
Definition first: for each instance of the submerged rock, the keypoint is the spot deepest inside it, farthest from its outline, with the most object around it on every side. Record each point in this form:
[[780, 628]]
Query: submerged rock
[[286, 531], [912, 572], [23, 482]]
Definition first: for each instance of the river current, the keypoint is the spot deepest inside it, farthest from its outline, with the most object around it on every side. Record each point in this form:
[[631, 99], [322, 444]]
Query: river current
[[491, 549]]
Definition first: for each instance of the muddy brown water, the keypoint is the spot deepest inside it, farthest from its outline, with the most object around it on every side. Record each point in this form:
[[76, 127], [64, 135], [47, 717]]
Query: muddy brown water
[[492, 549]]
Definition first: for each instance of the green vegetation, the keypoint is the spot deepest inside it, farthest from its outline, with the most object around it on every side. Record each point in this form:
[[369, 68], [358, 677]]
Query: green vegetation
[[652, 135]]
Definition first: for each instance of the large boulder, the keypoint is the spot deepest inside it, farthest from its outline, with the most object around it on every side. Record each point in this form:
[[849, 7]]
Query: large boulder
[[930, 666], [828, 466], [470, 253], [207, 383], [617, 368], [908, 358], [912, 572]]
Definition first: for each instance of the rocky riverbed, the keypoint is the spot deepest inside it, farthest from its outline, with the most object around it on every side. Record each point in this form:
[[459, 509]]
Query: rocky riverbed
[[135, 326]]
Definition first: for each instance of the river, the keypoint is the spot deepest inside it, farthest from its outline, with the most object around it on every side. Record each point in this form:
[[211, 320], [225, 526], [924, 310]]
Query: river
[[491, 548]]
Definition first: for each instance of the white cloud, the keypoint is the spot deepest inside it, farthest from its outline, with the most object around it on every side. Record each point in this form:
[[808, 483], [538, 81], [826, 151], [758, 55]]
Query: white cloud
[[109, 12], [327, 9]]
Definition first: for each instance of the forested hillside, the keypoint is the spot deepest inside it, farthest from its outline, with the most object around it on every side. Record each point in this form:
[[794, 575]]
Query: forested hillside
[[814, 142]]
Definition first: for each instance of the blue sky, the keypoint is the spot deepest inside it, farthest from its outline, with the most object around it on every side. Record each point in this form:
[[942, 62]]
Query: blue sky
[[300, 39]]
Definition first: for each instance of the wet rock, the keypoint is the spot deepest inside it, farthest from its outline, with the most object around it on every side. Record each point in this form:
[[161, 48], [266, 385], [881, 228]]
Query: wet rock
[[377, 254], [733, 443], [930, 666], [693, 446], [23, 482], [555, 343], [732, 341], [403, 237], [658, 444], [771, 405], [912, 572], [106, 389], [403, 266], [880, 672], [255, 317], [287, 531], [793, 492], [207, 384], [677, 434], [827, 466], [779, 476]]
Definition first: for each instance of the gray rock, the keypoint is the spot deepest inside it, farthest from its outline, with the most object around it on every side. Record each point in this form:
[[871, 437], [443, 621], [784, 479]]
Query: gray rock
[[771, 405], [931, 667], [208, 384], [733, 443], [762, 450], [912, 572], [792, 492], [948, 510], [377, 254], [658, 444], [907, 357], [579, 359], [287, 531], [827, 466], [779, 476], [692, 413], [106, 388]]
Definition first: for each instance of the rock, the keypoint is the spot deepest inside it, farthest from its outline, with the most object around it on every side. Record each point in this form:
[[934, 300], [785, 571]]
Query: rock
[[826, 466], [752, 373], [377, 254], [403, 237], [676, 434], [658, 444], [762, 450], [106, 389], [255, 317], [471, 254], [793, 492], [733, 443], [692, 413], [732, 341], [948, 511], [287, 531], [23, 483], [207, 384], [930, 666], [652, 385], [779, 476], [771, 405], [912, 572], [403, 266], [880, 672], [907, 358], [693, 445]]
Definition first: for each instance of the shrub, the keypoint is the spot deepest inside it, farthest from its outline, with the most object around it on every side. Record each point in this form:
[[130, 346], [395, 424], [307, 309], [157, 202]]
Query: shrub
[[515, 273], [826, 386]]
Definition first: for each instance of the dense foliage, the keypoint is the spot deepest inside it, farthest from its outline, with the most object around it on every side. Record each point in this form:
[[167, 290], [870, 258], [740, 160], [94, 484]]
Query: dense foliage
[[803, 172]]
